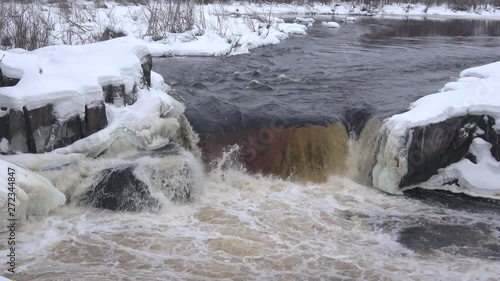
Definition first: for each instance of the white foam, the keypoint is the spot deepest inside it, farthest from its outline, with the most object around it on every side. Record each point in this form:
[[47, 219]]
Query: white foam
[[248, 225]]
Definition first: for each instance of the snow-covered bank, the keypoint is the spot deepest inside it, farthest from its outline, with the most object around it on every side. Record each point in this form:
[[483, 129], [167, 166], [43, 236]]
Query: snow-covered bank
[[210, 30], [446, 123], [347, 8], [214, 29], [417, 10]]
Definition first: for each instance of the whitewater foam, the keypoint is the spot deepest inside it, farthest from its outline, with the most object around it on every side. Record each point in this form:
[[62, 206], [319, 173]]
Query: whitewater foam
[[244, 227]]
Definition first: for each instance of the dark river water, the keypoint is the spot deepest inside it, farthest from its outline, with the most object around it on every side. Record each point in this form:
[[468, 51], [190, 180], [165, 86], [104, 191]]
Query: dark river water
[[374, 67]]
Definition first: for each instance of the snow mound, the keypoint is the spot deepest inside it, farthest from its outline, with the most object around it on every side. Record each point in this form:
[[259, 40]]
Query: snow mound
[[331, 24]]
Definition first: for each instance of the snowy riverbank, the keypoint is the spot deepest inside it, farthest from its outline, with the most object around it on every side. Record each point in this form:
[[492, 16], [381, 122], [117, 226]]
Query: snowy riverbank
[[205, 30], [345, 8]]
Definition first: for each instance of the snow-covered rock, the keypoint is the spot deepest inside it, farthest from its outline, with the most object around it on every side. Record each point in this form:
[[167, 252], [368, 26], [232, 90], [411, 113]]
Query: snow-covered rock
[[417, 10], [438, 131], [304, 20], [331, 24], [61, 92], [349, 19]]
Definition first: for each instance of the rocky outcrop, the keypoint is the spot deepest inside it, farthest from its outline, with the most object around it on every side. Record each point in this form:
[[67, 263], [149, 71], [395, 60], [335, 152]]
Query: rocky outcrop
[[438, 145], [95, 118], [39, 130]]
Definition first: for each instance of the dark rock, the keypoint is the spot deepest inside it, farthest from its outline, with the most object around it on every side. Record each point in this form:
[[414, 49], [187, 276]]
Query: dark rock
[[119, 190], [109, 33], [467, 240], [114, 94], [438, 145], [130, 98], [12, 128], [95, 119], [471, 157], [39, 126], [147, 66], [7, 81], [455, 201], [46, 133], [38, 130], [67, 132]]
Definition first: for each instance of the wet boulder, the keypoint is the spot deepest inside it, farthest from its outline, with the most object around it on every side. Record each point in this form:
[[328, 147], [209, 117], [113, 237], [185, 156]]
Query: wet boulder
[[118, 189], [143, 183]]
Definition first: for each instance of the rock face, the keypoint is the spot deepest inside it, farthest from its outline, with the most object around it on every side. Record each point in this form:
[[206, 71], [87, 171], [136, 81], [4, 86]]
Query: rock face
[[13, 129], [438, 145], [95, 119], [38, 130]]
